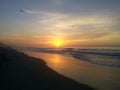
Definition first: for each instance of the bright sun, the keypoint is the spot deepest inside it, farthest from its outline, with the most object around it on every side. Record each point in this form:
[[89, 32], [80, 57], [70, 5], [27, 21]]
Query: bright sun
[[58, 43]]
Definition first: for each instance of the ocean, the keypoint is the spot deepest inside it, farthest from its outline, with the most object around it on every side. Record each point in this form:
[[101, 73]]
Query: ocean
[[96, 67]]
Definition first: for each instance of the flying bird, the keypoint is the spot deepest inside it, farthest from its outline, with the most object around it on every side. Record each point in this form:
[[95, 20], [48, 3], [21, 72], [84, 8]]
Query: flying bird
[[25, 11], [22, 11]]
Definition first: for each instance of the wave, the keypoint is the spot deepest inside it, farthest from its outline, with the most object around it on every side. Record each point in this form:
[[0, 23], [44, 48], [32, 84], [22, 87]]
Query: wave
[[106, 57], [98, 56]]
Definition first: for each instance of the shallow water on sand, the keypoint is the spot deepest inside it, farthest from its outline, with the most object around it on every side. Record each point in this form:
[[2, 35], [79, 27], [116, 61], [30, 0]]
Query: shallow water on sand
[[97, 76]]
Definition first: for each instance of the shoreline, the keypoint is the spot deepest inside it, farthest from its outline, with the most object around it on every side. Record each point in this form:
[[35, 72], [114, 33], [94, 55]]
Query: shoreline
[[98, 76], [22, 72]]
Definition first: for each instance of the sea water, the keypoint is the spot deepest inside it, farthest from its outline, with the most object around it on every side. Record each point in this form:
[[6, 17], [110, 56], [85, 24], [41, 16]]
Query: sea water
[[97, 75]]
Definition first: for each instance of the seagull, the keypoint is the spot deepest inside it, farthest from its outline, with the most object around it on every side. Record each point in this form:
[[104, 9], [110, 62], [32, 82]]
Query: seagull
[[22, 11]]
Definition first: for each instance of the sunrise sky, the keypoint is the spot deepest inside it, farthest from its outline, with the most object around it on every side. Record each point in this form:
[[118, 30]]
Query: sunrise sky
[[69, 23]]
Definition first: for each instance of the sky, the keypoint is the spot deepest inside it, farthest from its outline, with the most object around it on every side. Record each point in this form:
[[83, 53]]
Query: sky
[[71, 23]]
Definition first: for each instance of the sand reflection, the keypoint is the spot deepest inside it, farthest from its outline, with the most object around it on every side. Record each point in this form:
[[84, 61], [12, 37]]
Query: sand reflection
[[101, 77]]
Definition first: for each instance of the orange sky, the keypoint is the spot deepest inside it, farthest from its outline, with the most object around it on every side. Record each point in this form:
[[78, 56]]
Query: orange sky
[[66, 24]]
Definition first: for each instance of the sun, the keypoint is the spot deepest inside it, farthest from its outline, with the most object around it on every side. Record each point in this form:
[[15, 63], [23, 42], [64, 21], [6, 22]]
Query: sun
[[58, 43]]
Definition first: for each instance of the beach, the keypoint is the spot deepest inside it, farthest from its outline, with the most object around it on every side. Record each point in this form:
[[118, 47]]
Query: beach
[[99, 76], [19, 71]]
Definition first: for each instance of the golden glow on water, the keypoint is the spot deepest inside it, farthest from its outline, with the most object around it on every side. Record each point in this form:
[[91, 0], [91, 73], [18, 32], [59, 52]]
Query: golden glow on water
[[101, 77], [56, 59]]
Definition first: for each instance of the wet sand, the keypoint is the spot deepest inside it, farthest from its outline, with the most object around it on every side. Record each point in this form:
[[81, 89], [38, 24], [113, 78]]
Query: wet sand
[[19, 71], [98, 76]]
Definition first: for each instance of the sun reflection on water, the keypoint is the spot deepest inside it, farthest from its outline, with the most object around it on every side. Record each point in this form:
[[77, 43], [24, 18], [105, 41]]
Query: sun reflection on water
[[56, 59], [81, 71]]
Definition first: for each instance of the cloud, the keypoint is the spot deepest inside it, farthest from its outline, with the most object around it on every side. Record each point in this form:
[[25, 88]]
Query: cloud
[[78, 27]]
